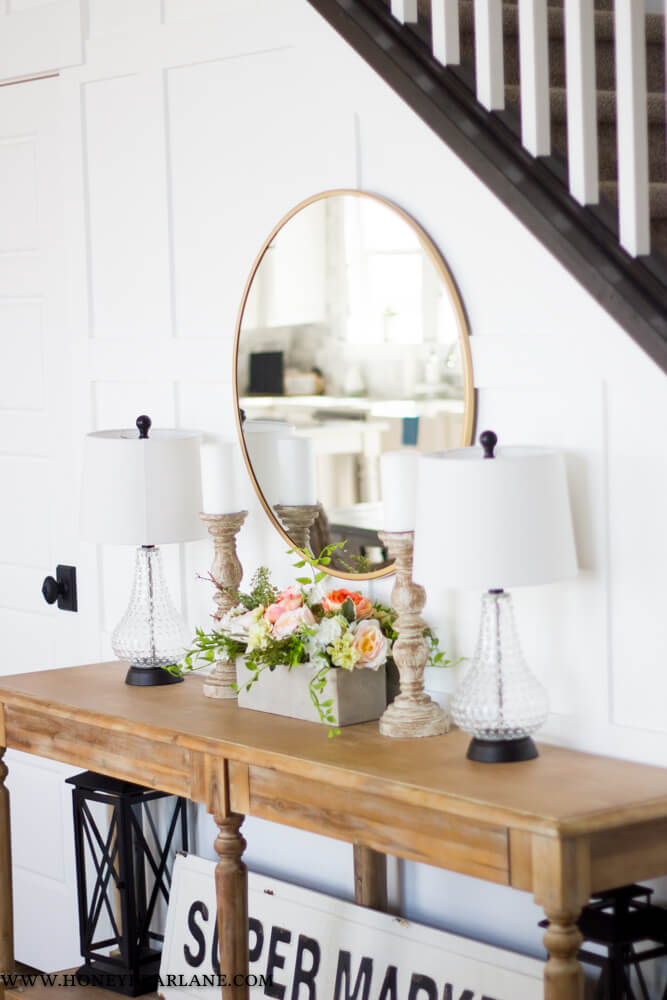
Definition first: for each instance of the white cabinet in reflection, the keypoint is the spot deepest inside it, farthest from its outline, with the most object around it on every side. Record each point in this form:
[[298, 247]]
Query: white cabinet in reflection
[[290, 287]]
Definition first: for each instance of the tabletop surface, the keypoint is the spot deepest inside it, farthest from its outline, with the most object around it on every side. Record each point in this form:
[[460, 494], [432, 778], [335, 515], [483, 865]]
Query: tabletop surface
[[566, 790]]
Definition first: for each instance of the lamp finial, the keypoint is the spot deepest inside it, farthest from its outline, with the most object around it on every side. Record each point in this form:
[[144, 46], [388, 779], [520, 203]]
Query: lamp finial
[[144, 424], [488, 441]]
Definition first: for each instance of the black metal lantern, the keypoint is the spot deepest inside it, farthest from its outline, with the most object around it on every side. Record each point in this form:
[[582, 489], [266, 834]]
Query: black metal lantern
[[125, 847], [618, 920]]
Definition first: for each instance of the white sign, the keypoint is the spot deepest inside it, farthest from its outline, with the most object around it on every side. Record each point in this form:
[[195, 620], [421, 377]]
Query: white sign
[[307, 946]]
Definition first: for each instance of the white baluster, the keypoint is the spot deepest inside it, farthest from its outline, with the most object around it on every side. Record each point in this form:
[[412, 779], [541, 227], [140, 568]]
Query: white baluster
[[582, 133], [445, 27], [534, 56], [404, 10], [632, 128], [489, 54]]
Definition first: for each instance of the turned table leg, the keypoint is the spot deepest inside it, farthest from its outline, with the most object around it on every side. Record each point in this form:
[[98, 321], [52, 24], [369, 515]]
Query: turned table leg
[[231, 882], [563, 974], [6, 908], [562, 886]]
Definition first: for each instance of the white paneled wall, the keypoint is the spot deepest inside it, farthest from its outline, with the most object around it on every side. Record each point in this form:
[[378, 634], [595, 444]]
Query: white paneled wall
[[188, 132]]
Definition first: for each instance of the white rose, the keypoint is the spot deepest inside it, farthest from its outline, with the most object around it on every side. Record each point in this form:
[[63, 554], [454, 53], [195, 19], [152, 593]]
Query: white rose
[[290, 621], [241, 624], [328, 631], [258, 635]]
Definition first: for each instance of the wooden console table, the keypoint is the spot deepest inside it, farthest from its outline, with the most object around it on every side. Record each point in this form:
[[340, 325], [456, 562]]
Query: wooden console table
[[561, 827]]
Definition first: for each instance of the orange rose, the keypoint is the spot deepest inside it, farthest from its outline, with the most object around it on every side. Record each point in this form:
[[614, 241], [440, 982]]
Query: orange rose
[[335, 600]]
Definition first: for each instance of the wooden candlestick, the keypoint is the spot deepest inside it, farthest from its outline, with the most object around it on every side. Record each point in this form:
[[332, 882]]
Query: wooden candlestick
[[412, 713], [297, 520], [227, 573]]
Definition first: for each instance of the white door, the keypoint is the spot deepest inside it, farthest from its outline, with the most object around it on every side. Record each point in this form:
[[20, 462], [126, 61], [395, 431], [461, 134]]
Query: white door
[[38, 500]]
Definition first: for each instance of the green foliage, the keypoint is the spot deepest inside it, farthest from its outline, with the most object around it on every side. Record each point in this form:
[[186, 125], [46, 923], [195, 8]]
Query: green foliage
[[261, 593], [205, 650], [386, 617], [306, 558], [351, 563], [324, 708], [348, 610], [436, 657], [290, 651]]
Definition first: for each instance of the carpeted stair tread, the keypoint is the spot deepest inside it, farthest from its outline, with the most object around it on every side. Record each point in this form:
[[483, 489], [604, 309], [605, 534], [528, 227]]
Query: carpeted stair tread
[[604, 20], [604, 41], [606, 116], [606, 104], [658, 210], [424, 6], [657, 197]]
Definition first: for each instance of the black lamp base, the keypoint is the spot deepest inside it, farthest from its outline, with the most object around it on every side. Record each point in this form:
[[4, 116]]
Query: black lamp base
[[150, 677], [502, 751]]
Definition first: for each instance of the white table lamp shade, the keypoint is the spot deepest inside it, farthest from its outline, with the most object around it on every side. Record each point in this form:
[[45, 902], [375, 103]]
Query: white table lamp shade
[[141, 491], [493, 523]]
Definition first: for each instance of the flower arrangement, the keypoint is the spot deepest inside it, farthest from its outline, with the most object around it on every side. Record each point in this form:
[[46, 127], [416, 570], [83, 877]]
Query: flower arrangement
[[329, 629]]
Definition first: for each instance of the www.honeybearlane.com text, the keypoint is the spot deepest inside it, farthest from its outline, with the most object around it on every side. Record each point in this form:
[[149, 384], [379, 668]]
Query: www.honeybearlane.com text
[[20, 980], [348, 986]]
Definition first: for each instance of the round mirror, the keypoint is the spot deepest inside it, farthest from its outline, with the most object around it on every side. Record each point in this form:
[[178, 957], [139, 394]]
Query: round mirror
[[351, 341]]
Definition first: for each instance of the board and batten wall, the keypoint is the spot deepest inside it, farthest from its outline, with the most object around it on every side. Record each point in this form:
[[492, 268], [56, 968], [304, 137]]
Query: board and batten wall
[[185, 130]]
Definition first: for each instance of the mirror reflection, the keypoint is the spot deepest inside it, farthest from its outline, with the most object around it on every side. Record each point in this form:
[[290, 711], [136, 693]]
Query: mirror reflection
[[351, 342]]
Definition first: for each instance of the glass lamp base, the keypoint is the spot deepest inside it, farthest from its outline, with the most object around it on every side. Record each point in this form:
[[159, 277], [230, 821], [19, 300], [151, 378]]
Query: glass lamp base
[[151, 635], [502, 751], [150, 677], [499, 701]]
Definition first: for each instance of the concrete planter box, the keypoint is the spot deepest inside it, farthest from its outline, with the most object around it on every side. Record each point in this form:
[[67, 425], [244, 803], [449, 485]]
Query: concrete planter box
[[358, 695]]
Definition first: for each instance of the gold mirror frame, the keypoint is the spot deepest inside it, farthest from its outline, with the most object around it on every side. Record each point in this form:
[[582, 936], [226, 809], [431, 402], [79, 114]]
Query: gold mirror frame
[[464, 334]]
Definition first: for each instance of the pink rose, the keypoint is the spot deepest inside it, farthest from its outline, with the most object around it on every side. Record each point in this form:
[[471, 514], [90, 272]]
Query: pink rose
[[370, 643], [273, 612], [290, 599], [291, 620]]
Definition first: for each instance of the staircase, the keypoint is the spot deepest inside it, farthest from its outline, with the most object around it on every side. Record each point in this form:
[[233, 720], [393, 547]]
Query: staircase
[[551, 154], [605, 93]]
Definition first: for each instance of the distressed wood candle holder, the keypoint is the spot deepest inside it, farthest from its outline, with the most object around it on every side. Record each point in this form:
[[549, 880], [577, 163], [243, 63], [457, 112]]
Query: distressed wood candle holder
[[227, 573], [298, 520], [412, 713]]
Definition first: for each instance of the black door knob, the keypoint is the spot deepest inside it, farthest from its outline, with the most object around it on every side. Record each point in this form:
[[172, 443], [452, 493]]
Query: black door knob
[[50, 590], [61, 588]]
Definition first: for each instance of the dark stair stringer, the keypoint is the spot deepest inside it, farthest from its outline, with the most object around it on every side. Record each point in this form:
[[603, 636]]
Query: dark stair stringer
[[632, 290]]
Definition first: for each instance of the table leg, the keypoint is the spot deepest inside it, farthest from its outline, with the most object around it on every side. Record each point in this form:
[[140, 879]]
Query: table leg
[[562, 885], [563, 974], [370, 878], [231, 882], [6, 906]]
